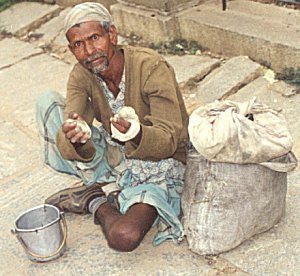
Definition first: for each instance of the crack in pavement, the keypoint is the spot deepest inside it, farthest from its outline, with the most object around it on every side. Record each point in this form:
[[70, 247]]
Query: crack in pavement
[[20, 60]]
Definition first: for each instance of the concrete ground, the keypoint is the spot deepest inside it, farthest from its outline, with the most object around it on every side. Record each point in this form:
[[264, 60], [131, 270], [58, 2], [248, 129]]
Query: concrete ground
[[34, 58]]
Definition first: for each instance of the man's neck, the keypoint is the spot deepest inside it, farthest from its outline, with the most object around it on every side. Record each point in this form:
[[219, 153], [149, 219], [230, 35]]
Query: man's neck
[[113, 75]]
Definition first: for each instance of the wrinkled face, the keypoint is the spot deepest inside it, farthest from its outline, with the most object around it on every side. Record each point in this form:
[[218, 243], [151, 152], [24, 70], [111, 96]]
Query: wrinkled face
[[92, 46]]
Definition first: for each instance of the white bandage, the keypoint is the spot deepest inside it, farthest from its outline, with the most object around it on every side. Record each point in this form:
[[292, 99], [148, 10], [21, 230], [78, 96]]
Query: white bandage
[[127, 113], [83, 125]]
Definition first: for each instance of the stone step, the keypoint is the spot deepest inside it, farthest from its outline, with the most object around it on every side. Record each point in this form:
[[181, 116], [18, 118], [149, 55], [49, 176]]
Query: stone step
[[51, 36], [227, 79], [28, 79], [14, 50], [51, 33], [191, 68], [24, 16], [268, 34]]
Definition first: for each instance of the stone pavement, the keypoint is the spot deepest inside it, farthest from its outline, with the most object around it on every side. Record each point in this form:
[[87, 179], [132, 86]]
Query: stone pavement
[[34, 58]]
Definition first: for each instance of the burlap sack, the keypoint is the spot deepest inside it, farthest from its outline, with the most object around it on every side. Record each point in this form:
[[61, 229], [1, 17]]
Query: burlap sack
[[225, 204]]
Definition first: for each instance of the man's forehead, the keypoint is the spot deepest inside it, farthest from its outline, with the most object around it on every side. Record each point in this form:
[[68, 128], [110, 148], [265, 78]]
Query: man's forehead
[[85, 30]]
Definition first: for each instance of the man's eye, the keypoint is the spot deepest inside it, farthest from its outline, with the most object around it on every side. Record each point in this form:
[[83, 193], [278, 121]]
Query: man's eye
[[95, 37], [77, 44]]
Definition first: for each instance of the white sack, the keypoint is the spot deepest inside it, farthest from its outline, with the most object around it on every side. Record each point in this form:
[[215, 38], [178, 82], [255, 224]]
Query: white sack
[[221, 132]]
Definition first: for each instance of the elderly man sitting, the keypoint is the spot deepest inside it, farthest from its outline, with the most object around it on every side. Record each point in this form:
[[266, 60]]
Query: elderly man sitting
[[122, 130]]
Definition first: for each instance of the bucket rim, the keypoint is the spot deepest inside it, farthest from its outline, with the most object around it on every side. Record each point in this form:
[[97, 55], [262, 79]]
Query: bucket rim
[[19, 230]]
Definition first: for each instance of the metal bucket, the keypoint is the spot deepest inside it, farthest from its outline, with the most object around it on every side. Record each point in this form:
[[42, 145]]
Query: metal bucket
[[42, 231]]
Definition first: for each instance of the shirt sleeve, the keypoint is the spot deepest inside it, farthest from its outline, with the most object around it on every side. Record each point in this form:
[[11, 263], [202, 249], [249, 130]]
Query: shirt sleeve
[[77, 100], [164, 123]]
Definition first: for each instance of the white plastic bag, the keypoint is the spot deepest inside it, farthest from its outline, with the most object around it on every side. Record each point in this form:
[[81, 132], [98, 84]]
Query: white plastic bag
[[240, 133]]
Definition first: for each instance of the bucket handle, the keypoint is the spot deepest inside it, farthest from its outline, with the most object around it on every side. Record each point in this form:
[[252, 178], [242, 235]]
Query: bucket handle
[[64, 223]]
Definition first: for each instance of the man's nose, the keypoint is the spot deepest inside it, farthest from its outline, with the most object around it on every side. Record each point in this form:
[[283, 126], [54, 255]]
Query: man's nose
[[89, 48]]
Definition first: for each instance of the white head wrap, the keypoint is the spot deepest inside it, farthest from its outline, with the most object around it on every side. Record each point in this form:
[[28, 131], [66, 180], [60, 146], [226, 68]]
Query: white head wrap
[[88, 11]]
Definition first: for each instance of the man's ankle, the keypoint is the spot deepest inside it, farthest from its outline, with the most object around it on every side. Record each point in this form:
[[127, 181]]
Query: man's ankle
[[96, 203]]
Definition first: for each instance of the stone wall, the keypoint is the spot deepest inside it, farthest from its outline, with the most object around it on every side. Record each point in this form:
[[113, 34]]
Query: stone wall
[[165, 7], [69, 3], [265, 1], [241, 30]]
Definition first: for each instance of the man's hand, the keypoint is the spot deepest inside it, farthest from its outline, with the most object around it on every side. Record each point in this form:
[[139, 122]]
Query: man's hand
[[123, 126], [120, 124], [73, 129]]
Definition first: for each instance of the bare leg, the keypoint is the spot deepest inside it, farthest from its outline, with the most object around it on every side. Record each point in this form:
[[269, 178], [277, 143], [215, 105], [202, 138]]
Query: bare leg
[[125, 232]]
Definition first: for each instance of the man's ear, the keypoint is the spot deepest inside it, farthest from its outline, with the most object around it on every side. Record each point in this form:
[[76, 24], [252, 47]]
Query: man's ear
[[113, 35]]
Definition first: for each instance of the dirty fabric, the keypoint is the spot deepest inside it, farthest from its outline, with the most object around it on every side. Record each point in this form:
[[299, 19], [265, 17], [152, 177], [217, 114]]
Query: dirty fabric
[[247, 132], [225, 204], [86, 12]]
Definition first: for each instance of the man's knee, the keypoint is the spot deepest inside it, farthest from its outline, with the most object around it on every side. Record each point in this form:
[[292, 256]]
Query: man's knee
[[124, 237], [45, 99]]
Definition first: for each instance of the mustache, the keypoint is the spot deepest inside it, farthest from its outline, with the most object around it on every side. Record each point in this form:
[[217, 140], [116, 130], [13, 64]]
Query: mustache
[[99, 54]]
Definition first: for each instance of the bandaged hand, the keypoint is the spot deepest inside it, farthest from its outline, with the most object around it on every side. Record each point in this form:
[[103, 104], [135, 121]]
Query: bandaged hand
[[77, 130], [127, 114]]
